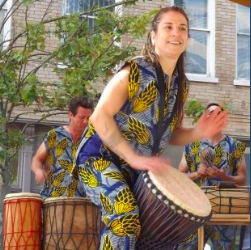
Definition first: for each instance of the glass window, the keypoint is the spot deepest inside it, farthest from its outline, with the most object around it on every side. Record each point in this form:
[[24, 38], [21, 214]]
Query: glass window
[[197, 54], [2, 15], [72, 6], [243, 42], [14, 170]]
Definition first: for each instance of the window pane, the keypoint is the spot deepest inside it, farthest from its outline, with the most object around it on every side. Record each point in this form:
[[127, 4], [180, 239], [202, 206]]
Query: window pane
[[85, 5], [71, 6], [14, 170], [243, 19], [243, 57], [91, 22], [196, 11], [2, 15], [88, 4], [196, 60]]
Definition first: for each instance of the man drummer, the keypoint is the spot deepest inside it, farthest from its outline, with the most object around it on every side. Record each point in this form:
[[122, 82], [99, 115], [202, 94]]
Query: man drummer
[[228, 165], [54, 158]]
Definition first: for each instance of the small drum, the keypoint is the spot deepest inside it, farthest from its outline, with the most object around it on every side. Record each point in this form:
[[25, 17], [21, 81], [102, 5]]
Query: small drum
[[229, 200], [171, 207], [71, 223], [22, 221]]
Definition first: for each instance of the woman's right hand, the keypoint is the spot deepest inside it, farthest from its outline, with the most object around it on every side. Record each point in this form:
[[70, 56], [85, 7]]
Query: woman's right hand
[[157, 165], [40, 176]]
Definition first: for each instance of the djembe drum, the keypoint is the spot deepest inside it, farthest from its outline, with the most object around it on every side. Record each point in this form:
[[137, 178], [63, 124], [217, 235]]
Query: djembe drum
[[22, 221], [229, 200], [171, 207], [71, 223]]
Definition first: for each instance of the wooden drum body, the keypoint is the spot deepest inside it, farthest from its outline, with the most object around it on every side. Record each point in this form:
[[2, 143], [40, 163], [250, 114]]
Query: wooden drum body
[[22, 221], [171, 207], [71, 223], [229, 200]]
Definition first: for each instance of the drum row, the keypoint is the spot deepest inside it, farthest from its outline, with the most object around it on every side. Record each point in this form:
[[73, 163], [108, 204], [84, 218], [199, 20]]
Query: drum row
[[55, 223], [170, 208]]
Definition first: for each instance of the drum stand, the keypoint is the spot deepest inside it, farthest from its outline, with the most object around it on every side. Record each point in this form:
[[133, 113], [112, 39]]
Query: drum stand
[[223, 219]]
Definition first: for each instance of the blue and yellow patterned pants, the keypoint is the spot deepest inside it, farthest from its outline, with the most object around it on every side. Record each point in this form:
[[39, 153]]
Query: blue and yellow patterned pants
[[222, 237], [109, 186]]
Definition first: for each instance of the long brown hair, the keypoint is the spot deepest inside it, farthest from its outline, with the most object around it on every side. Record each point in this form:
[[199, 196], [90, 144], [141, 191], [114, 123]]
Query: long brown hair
[[148, 53]]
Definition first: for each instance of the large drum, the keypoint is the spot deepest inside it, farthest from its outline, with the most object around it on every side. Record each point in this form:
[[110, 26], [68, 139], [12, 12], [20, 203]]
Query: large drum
[[71, 223], [171, 207], [229, 200], [22, 221]]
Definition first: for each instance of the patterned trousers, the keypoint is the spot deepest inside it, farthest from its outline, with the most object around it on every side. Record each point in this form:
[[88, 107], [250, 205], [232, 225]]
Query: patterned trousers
[[109, 186], [222, 237]]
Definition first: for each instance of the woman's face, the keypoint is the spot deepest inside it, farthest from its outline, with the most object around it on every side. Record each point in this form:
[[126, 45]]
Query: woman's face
[[170, 39]]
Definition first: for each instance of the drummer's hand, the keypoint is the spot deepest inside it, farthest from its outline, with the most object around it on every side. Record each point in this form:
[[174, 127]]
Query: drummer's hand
[[217, 173], [40, 176], [210, 125], [202, 171], [154, 164]]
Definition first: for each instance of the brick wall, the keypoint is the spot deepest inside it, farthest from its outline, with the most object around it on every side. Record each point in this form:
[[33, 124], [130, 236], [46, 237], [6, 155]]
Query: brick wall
[[36, 12], [225, 59]]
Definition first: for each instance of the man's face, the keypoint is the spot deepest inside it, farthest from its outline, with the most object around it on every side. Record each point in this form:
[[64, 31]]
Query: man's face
[[211, 109], [80, 120]]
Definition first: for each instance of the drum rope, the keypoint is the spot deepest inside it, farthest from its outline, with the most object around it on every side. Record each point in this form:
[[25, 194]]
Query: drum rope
[[24, 235], [60, 239]]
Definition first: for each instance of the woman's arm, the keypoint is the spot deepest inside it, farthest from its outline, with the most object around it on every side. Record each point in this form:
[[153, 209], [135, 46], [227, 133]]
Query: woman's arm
[[207, 126], [110, 103]]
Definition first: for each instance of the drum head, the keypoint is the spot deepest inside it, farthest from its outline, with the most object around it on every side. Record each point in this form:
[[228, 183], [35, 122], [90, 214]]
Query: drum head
[[66, 199], [182, 191], [14, 196]]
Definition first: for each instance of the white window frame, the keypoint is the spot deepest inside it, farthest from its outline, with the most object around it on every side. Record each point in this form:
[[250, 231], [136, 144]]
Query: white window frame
[[7, 25], [238, 81], [210, 76]]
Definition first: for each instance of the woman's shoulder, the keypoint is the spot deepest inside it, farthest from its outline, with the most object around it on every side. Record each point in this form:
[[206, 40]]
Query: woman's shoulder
[[141, 63]]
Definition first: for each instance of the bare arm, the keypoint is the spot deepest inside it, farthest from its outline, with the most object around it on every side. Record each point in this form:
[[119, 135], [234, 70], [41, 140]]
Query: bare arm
[[201, 173], [205, 127], [182, 136], [111, 101], [38, 162], [184, 169]]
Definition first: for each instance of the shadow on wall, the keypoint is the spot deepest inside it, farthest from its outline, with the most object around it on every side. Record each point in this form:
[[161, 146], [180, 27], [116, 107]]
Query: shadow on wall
[[174, 154]]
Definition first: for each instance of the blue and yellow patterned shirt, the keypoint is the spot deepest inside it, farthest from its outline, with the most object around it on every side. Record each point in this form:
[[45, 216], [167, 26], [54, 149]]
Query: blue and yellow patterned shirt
[[228, 154], [61, 152], [138, 118]]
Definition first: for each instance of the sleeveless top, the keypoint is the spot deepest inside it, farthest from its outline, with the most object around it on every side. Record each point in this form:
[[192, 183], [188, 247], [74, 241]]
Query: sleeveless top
[[137, 119], [61, 153]]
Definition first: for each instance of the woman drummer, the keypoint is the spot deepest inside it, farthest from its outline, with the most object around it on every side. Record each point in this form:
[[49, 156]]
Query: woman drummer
[[124, 127]]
